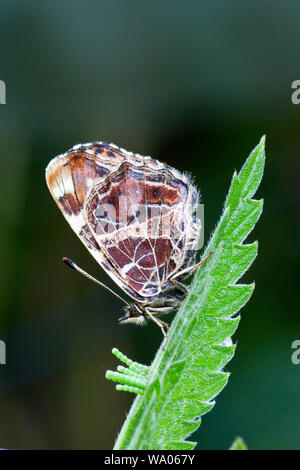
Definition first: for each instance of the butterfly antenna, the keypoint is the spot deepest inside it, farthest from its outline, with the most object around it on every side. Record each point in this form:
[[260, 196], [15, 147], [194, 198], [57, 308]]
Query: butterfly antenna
[[72, 265]]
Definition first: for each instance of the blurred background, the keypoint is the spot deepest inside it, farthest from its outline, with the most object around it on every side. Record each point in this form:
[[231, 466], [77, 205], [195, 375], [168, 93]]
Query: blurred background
[[194, 84]]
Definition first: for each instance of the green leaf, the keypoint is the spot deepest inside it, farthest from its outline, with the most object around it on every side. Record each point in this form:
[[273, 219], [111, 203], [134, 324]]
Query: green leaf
[[183, 380]]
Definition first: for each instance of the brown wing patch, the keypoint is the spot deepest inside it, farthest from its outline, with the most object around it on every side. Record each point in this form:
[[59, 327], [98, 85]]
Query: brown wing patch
[[70, 204]]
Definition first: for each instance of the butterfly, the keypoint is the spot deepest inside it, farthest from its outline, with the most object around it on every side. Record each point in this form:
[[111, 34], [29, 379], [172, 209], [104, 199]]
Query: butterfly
[[137, 217]]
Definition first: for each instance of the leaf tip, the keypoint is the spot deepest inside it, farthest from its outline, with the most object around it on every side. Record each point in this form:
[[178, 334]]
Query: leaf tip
[[263, 140], [238, 444]]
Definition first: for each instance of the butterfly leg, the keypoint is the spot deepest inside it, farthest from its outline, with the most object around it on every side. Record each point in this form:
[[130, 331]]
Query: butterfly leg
[[162, 325], [191, 269], [180, 286]]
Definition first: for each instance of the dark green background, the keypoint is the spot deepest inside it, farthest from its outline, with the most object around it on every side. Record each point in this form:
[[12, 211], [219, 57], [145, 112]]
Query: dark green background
[[194, 84]]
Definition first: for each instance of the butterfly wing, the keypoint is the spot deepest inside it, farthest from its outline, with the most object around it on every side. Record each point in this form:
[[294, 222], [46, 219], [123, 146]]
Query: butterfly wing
[[133, 213], [141, 218]]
